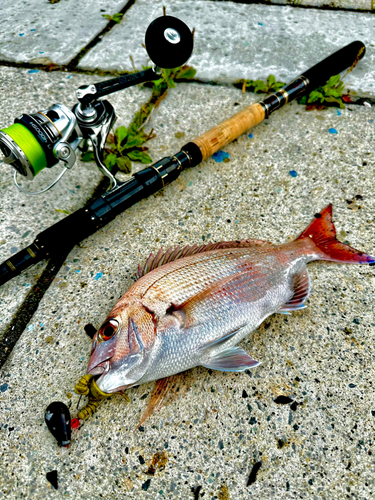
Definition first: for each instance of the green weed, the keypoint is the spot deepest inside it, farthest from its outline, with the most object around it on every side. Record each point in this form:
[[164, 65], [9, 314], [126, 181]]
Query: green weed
[[116, 17], [127, 144], [330, 94], [260, 86]]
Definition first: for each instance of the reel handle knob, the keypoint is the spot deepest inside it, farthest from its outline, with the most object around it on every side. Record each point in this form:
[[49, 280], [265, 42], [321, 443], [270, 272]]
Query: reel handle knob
[[169, 42]]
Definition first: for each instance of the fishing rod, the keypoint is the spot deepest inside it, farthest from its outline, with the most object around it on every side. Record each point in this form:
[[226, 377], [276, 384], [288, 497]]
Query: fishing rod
[[122, 195]]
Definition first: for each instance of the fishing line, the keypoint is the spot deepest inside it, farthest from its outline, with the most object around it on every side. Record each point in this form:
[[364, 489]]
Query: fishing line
[[27, 142]]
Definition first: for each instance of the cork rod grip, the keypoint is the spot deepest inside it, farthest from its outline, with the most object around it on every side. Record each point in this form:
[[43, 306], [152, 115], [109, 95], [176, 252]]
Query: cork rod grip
[[228, 130]]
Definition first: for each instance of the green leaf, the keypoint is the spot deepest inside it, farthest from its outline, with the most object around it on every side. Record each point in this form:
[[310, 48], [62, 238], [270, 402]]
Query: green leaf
[[250, 83], [303, 100], [121, 134], [158, 83], [332, 92], [136, 140], [140, 156], [117, 17], [333, 81], [62, 211], [166, 73], [107, 16], [333, 99], [110, 160], [124, 164], [89, 156], [187, 72], [271, 80], [314, 96], [170, 83]]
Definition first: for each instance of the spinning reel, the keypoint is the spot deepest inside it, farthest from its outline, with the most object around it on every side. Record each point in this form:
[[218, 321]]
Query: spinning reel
[[40, 140]]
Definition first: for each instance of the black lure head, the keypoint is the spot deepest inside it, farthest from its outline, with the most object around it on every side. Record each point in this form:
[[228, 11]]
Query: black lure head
[[57, 417]]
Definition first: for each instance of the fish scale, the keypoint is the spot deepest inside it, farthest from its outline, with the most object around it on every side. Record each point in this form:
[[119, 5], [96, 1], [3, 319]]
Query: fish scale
[[194, 310]]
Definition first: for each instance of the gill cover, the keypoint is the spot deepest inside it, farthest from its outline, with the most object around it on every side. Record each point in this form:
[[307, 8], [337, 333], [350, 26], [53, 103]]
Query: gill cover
[[119, 372]]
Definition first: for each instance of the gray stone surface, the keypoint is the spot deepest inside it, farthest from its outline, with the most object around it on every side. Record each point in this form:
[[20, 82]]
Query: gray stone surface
[[321, 357], [38, 31], [23, 216], [234, 41]]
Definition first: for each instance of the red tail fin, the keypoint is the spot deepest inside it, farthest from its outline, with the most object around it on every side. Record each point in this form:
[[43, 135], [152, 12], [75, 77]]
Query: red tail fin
[[323, 233]]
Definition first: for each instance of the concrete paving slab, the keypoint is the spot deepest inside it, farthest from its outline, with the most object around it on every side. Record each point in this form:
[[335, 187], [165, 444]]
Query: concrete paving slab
[[23, 216], [277, 177], [234, 41], [42, 32]]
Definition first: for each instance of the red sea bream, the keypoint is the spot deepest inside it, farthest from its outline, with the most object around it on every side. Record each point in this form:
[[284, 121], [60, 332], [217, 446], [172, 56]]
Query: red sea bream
[[192, 306]]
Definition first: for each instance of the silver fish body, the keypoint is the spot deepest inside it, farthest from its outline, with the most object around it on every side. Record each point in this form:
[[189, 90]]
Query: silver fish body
[[246, 285]]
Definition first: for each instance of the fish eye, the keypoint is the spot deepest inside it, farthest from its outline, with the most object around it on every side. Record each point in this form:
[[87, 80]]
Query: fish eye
[[109, 329]]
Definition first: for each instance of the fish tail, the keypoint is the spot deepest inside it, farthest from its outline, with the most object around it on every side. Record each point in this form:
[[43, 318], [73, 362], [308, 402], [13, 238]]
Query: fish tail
[[323, 233]]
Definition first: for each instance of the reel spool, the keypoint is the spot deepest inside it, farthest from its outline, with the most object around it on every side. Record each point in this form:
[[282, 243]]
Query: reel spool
[[40, 140]]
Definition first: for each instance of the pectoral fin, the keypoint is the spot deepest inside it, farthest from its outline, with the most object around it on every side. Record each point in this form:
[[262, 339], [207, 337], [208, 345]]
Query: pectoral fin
[[302, 289], [233, 359]]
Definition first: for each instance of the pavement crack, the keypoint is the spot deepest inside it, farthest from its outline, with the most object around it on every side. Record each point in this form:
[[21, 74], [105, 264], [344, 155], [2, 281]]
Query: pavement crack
[[29, 306], [98, 38], [27, 309], [297, 5]]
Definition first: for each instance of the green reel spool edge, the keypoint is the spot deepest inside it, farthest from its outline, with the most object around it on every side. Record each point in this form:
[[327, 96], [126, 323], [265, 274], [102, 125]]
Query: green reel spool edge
[[29, 145]]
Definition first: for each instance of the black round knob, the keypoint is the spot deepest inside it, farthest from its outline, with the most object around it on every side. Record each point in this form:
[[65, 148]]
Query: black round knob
[[169, 42]]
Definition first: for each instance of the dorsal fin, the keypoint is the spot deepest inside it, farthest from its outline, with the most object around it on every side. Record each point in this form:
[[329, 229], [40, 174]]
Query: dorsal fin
[[163, 257]]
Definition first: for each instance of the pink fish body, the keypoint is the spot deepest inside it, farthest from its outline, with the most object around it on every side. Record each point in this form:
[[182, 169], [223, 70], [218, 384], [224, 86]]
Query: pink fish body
[[194, 305]]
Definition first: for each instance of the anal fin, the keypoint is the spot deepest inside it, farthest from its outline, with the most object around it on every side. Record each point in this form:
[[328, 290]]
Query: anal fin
[[158, 398], [233, 359], [165, 391], [302, 289]]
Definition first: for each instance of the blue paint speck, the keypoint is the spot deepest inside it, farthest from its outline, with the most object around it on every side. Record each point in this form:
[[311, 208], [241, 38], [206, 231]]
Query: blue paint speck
[[70, 76], [332, 131], [220, 156], [371, 121], [30, 327], [339, 112], [260, 24], [293, 173], [32, 30], [250, 136], [78, 271], [21, 34], [33, 71], [98, 276], [41, 52], [3, 387]]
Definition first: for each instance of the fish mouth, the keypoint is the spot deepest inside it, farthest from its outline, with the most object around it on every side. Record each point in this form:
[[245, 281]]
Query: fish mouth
[[100, 369]]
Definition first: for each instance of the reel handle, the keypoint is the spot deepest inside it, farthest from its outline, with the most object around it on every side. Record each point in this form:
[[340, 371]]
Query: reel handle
[[86, 94], [169, 44]]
